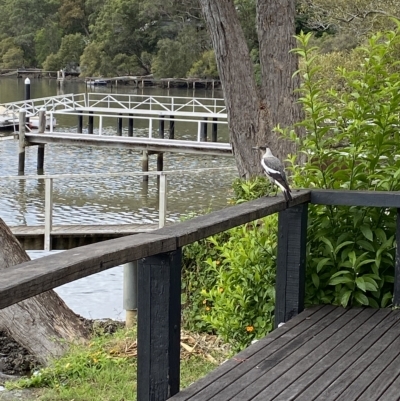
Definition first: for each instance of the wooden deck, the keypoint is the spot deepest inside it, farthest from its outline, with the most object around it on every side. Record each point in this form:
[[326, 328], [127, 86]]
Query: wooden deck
[[325, 353], [71, 236]]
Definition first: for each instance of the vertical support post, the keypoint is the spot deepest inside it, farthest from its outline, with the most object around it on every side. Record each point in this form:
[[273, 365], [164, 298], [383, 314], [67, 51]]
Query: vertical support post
[[100, 125], [150, 127], [162, 209], [214, 132], [130, 294], [40, 153], [396, 290], [90, 123], [119, 127], [291, 263], [145, 164], [130, 125], [21, 143], [161, 127], [171, 127], [159, 319], [48, 213], [160, 161], [80, 123], [27, 95], [203, 133]]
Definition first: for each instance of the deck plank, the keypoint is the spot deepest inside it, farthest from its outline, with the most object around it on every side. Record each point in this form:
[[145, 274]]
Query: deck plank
[[268, 370], [330, 341], [334, 355], [329, 353], [353, 363]]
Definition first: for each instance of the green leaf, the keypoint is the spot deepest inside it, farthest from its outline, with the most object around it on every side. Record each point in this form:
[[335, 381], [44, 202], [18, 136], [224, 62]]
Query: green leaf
[[361, 298], [360, 283], [386, 299], [322, 263], [341, 280], [366, 245], [315, 280], [345, 298], [340, 246], [366, 231]]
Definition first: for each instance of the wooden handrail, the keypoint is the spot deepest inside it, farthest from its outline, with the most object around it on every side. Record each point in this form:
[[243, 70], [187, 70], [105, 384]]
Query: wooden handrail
[[36, 276]]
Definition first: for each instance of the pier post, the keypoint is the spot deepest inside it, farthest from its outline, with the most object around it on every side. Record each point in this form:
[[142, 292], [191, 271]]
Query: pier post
[[48, 213], [203, 132], [162, 201], [130, 288], [214, 132], [130, 125], [40, 153], [159, 323], [171, 127], [160, 162], [90, 123], [79, 130], [161, 127], [27, 95], [21, 143], [145, 164], [119, 127]]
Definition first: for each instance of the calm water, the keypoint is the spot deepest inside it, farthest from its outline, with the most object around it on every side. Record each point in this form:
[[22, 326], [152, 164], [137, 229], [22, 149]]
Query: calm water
[[104, 200]]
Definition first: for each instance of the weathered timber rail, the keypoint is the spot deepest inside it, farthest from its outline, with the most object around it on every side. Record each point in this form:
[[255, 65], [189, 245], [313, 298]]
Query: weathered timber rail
[[302, 351]]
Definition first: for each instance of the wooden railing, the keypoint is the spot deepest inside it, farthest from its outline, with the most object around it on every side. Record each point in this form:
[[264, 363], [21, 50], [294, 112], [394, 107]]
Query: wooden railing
[[159, 256]]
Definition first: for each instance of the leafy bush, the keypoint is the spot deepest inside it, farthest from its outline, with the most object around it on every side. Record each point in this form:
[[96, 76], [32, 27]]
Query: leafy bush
[[352, 142], [229, 278]]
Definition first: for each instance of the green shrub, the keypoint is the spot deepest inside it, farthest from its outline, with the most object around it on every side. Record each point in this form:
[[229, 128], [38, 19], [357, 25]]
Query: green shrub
[[352, 142], [229, 278]]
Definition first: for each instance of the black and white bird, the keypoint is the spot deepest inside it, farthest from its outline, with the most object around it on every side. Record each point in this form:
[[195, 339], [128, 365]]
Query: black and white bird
[[275, 171]]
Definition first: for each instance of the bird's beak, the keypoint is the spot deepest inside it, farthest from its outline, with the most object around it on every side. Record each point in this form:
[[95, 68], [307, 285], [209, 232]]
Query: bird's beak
[[255, 148]]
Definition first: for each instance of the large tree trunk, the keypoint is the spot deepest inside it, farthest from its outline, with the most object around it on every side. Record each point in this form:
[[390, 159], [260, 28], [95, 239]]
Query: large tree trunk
[[276, 30], [253, 115], [43, 324]]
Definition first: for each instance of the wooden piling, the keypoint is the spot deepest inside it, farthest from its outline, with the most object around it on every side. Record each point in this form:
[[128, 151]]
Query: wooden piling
[[160, 161], [90, 123], [80, 123], [130, 285], [119, 127], [171, 127], [214, 132], [40, 153], [145, 164], [203, 131], [161, 127], [21, 143], [130, 125]]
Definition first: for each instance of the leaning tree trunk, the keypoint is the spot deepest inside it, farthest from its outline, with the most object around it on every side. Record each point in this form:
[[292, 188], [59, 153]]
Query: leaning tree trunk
[[43, 324], [252, 116]]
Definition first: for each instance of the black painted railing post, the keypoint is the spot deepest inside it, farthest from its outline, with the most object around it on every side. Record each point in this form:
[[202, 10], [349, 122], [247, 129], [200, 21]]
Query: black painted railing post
[[159, 318], [396, 290], [291, 263]]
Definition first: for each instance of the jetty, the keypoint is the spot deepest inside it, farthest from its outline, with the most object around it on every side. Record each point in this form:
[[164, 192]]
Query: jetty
[[163, 115], [319, 353]]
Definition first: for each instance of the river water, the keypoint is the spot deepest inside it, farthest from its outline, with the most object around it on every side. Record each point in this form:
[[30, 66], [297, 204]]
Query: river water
[[105, 200]]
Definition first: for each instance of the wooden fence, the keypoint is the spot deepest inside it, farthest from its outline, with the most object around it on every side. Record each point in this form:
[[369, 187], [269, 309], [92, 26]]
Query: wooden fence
[[159, 256]]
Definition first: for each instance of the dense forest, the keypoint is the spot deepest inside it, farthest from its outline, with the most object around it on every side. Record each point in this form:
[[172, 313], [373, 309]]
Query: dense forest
[[167, 38]]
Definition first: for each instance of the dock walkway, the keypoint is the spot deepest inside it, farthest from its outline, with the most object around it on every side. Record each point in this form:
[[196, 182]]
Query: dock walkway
[[325, 353], [72, 236]]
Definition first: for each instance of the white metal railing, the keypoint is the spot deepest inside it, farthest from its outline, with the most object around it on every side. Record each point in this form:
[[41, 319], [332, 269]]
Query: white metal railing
[[52, 103], [49, 179], [152, 121], [166, 104]]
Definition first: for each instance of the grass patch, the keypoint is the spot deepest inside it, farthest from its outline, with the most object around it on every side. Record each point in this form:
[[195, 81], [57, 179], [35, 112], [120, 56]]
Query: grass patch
[[105, 369]]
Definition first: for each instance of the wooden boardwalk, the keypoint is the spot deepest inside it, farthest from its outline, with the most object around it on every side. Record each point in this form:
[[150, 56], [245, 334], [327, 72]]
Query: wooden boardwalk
[[325, 353], [149, 144], [71, 236]]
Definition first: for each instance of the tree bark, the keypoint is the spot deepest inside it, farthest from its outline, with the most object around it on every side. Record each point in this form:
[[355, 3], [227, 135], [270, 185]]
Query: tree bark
[[44, 324], [253, 114]]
